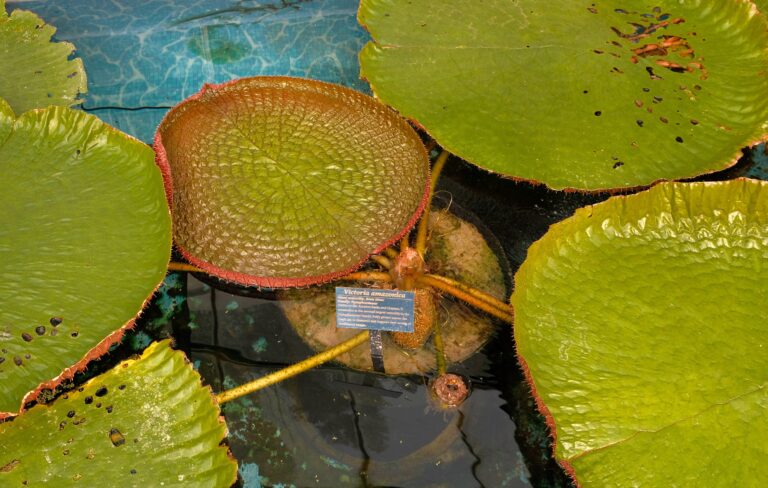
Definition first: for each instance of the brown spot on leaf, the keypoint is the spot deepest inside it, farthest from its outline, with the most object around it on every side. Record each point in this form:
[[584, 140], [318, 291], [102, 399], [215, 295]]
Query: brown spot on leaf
[[116, 437], [10, 466]]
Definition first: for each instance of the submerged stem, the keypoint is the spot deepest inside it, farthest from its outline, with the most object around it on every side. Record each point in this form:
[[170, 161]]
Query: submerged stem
[[173, 266], [293, 370], [472, 296], [421, 233]]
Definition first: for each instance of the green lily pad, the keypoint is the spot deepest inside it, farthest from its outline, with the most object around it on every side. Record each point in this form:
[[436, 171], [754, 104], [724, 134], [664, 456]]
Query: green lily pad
[[643, 324], [35, 72], [280, 181], [574, 94], [146, 422], [84, 240]]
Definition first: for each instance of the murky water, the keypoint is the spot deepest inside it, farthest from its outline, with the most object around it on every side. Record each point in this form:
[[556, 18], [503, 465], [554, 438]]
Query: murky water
[[334, 426]]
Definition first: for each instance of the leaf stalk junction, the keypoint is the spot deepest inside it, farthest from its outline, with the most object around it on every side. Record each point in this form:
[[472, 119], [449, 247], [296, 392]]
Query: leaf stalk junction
[[404, 268]]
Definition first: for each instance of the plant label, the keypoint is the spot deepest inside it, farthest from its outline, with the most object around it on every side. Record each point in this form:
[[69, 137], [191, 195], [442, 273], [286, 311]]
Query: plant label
[[374, 309]]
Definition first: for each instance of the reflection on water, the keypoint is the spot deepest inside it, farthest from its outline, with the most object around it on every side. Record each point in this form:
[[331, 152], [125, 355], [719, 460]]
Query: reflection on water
[[339, 427]]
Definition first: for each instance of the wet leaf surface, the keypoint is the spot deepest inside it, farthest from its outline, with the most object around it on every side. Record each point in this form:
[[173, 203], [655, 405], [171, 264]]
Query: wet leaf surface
[[585, 95], [282, 181], [643, 326], [147, 422], [84, 240], [35, 72]]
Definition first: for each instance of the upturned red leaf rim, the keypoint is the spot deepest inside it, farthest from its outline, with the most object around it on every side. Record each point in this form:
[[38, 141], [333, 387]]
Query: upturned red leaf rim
[[246, 279]]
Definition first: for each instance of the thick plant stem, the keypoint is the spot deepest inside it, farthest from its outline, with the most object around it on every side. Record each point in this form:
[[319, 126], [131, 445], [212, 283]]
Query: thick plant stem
[[391, 252], [172, 266], [437, 340], [476, 298], [292, 370], [382, 261], [368, 276], [421, 232], [404, 243]]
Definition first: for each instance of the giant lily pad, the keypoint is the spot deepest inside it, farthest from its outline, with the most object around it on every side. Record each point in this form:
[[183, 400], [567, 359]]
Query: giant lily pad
[[147, 422], [279, 181], [35, 72], [643, 324], [84, 240], [585, 95]]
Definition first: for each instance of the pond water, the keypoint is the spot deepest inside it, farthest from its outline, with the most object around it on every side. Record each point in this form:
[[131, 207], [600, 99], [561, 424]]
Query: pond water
[[333, 426]]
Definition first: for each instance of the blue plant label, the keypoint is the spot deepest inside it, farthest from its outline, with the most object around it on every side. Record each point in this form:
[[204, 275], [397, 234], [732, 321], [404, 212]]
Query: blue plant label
[[374, 309]]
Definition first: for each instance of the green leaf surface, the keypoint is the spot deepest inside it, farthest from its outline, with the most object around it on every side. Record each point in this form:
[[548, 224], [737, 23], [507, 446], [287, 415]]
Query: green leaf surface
[[6, 119], [573, 94], [146, 422], [35, 72], [84, 240], [643, 323], [283, 181]]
